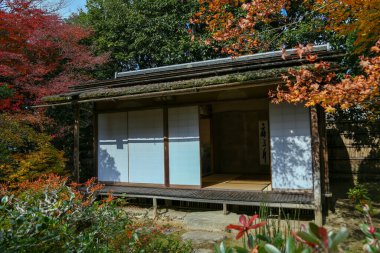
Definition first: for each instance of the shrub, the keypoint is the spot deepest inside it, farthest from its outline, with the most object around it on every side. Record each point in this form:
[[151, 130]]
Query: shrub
[[359, 197], [26, 153], [143, 237], [48, 215]]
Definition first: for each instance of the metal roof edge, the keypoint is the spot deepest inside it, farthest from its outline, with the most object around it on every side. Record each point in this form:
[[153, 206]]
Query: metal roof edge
[[324, 47]]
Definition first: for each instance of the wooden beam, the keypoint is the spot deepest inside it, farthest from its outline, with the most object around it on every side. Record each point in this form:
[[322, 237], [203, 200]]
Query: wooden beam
[[315, 147], [166, 148], [76, 172]]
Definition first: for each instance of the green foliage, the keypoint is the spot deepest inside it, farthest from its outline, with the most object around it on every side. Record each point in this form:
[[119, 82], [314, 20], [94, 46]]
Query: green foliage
[[359, 197], [147, 238], [25, 152], [276, 238], [302, 25], [49, 216], [142, 34], [5, 91], [62, 129]]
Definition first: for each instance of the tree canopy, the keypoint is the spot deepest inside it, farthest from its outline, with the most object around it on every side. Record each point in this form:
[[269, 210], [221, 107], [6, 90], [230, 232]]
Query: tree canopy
[[242, 27], [40, 54], [142, 34]]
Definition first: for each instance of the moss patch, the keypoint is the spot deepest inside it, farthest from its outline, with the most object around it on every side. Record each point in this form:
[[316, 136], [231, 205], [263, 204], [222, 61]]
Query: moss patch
[[233, 79]]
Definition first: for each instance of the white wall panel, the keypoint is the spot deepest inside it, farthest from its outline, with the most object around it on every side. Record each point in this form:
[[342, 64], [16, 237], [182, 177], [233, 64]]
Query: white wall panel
[[113, 147], [290, 147], [184, 146], [146, 146]]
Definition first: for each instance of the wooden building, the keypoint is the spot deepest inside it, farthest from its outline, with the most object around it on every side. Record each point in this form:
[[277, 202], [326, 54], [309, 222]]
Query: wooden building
[[207, 132]]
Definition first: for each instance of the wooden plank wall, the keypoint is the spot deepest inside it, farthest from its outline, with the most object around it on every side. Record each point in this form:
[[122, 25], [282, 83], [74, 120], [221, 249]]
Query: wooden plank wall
[[354, 150]]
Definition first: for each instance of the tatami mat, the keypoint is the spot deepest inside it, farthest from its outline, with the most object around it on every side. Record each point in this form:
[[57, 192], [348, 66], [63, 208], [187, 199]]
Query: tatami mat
[[235, 182]]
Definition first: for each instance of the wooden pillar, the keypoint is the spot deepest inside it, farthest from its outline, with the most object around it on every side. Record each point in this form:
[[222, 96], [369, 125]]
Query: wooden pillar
[[315, 147], [155, 207], [166, 148], [95, 141], [324, 153], [225, 210], [76, 142]]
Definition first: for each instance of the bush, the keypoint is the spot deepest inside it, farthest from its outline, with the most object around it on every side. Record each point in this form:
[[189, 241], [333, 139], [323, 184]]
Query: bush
[[48, 215], [359, 196], [147, 238], [51, 215], [26, 153]]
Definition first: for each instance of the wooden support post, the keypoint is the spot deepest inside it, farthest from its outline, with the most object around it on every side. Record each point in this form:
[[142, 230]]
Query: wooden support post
[[225, 210], [154, 207], [325, 177], [324, 151], [166, 148], [315, 147], [95, 141], [76, 142]]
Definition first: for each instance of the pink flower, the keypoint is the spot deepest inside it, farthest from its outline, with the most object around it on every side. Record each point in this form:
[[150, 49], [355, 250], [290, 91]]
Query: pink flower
[[371, 230]]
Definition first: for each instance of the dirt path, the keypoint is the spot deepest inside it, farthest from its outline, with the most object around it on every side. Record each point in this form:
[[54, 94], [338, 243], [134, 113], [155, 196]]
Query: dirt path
[[345, 215]]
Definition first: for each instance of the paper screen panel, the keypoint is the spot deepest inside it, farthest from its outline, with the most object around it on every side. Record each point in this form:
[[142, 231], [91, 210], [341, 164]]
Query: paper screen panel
[[146, 146], [113, 147], [290, 147], [184, 154]]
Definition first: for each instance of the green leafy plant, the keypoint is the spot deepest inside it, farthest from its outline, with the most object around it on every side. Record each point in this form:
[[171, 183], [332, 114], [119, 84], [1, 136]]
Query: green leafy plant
[[145, 237], [314, 239], [360, 197], [372, 244], [270, 239], [49, 215]]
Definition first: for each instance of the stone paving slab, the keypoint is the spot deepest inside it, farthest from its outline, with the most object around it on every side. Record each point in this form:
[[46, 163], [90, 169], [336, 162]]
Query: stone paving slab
[[209, 221], [203, 237]]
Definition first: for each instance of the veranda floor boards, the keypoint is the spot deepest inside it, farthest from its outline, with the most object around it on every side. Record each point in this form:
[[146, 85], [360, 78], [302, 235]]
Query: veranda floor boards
[[303, 200]]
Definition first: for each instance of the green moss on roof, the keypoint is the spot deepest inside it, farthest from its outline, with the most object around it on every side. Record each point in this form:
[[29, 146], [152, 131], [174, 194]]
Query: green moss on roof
[[233, 79], [56, 98]]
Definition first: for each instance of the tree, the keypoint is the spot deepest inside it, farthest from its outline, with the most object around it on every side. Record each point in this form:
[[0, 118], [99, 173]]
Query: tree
[[142, 34], [241, 27], [25, 153], [321, 85], [358, 19], [40, 54]]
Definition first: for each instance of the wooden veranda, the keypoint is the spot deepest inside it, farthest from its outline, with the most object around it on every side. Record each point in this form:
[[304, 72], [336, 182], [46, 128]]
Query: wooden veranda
[[297, 200]]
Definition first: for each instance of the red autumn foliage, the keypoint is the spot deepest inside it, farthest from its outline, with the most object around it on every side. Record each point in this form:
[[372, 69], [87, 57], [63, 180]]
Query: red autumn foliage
[[320, 85], [236, 31], [40, 54], [235, 23]]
